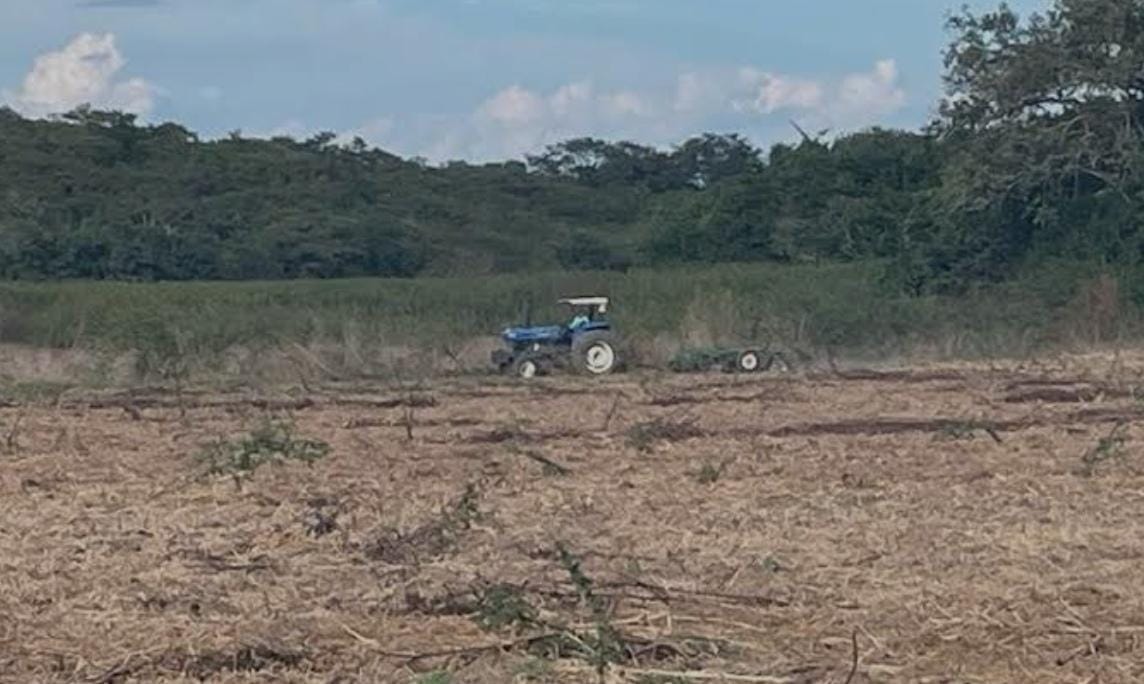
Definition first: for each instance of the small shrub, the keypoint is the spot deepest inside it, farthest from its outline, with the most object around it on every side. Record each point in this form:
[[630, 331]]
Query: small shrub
[[710, 474], [271, 442], [438, 677], [431, 540], [502, 606], [606, 645], [596, 640], [770, 564]]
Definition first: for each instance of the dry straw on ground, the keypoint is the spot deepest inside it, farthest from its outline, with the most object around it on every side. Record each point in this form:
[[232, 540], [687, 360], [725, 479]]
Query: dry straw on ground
[[955, 524]]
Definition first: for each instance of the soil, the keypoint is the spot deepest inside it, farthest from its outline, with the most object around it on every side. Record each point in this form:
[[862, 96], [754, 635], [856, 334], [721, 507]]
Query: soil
[[955, 523]]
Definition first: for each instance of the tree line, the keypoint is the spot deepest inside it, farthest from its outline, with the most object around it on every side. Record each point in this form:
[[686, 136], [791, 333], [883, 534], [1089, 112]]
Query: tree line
[[1036, 153]]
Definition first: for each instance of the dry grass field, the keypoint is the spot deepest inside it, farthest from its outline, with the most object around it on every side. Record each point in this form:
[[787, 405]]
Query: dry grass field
[[932, 524]]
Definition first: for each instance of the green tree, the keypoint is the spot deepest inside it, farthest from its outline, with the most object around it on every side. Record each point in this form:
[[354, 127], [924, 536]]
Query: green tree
[[1043, 120]]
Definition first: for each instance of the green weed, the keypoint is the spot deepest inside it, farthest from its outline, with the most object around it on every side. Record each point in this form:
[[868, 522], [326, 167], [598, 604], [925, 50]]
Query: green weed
[[710, 473], [504, 605], [770, 564], [605, 645], [270, 442]]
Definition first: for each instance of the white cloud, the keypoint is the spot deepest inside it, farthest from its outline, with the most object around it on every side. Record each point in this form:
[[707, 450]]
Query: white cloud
[[871, 94], [84, 71], [847, 103], [569, 98], [852, 101], [627, 103], [769, 93], [516, 121], [514, 106]]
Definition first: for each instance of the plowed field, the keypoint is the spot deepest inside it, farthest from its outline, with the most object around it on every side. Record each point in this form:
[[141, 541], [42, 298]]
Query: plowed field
[[940, 524]]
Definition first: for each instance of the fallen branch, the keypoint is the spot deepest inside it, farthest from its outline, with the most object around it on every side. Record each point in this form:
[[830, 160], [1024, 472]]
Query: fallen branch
[[548, 463], [134, 402], [116, 673], [612, 412], [854, 661]]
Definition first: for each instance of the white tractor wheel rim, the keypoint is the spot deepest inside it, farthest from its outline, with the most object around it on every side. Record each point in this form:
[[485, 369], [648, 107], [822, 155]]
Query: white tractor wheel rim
[[600, 358], [528, 369], [749, 362]]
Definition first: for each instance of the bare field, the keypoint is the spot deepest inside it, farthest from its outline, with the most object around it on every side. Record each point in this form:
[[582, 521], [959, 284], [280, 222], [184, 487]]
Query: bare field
[[938, 524]]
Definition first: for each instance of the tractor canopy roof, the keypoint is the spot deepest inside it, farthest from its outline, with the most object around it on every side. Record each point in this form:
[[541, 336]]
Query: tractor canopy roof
[[600, 304]]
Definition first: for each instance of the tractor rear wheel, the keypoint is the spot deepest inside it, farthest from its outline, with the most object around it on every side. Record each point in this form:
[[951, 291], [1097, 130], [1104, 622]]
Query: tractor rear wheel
[[595, 353]]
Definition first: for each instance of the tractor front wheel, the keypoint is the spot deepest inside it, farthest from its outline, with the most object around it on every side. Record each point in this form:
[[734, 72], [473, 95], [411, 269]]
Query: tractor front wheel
[[526, 367]]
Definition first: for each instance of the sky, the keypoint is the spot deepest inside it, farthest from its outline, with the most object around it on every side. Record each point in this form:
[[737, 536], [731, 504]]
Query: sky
[[484, 80]]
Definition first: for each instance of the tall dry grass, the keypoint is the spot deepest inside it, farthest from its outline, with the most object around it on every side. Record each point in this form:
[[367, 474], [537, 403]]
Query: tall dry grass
[[402, 329]]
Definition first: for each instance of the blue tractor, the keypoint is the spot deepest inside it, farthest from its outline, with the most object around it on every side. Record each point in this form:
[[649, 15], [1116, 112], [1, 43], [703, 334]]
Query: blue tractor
[[586, 344]]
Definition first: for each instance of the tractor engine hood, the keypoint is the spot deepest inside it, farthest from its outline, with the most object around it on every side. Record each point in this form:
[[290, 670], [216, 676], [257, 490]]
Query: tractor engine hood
[[544, 333]]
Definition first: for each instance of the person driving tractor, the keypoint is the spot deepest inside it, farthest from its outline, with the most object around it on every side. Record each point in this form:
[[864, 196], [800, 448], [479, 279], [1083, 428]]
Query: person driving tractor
[[579, 321]]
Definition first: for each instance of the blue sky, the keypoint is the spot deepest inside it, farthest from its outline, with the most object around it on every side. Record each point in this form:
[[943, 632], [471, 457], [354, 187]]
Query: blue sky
[[483, 79]]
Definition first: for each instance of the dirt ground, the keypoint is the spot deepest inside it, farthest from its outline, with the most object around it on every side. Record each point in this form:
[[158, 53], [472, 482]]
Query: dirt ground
[[934, 524]]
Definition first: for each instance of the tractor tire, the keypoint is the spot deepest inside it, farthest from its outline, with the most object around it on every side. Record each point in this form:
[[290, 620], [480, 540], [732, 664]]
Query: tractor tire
[[595, 353], [527, 367], [749, 361]]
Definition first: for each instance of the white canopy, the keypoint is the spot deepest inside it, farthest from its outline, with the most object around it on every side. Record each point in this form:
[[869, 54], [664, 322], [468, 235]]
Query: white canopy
[[601, 303]]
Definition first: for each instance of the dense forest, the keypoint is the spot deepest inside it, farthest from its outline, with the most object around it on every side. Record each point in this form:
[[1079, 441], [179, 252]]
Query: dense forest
[[1037, 152]]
